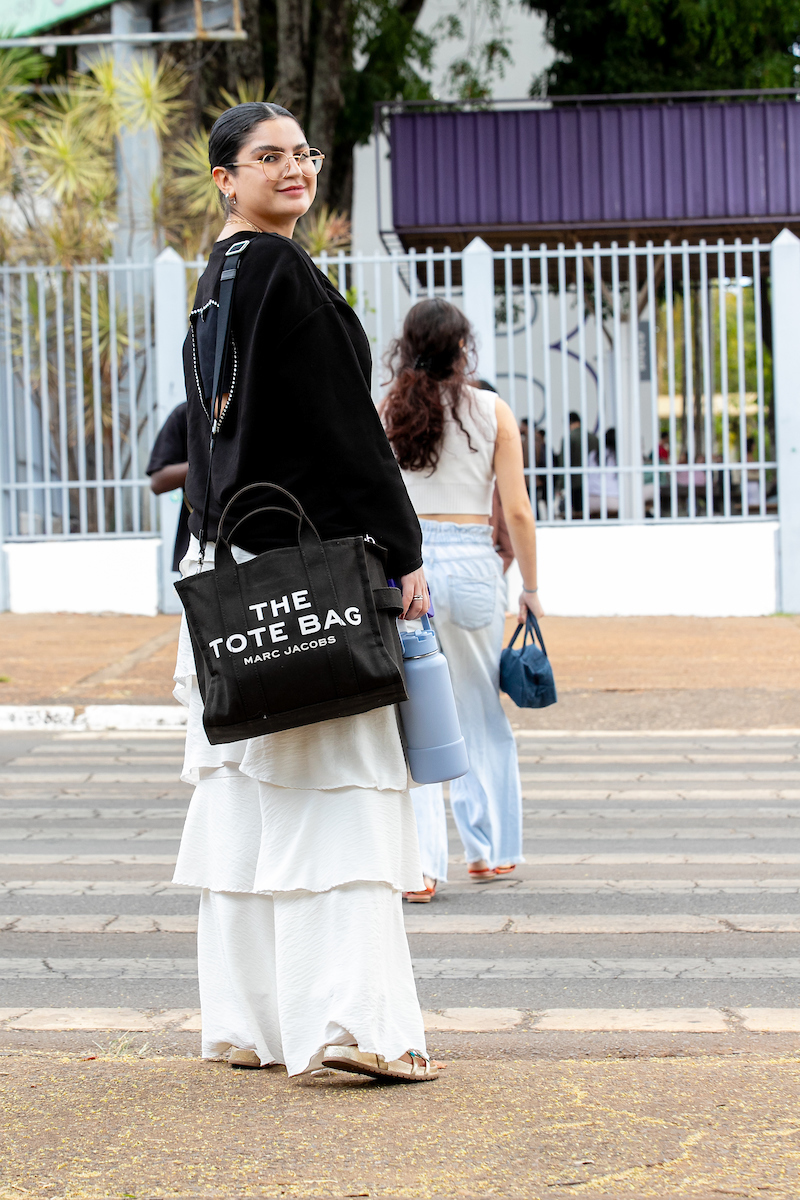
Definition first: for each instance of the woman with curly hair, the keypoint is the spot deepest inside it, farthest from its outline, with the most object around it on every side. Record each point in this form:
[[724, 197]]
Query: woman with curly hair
[[452, 441]]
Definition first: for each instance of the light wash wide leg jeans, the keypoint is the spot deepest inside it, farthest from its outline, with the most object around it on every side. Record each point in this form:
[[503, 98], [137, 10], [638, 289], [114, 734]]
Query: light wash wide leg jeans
[[465, 576]]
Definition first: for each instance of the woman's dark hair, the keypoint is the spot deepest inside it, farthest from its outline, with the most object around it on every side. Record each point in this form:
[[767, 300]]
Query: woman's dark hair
[[430, 364], [229, 132]]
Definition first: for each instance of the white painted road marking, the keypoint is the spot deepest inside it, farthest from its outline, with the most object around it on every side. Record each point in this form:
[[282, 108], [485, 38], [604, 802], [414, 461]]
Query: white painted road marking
[[549, 887], [451, 1020], [535, 833], [430, 923], [755, 858], [658, 969]]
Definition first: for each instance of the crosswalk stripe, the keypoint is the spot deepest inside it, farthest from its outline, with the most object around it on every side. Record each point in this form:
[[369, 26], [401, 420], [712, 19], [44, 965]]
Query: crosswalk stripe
[[629, 860], [617, 795], [567, 923], [535, 860], [449, 1020], [684, 759], [628, 887], [98, 923], [86, 860], [547, 833], [120, 758], [67, 775], [654, 969], [98, 887], [601, 811], [427, 923], [94, 833], [115, 814], [633, 735], [98, 968], [671, 812], [533, 834], [555, 887], [592, 775]]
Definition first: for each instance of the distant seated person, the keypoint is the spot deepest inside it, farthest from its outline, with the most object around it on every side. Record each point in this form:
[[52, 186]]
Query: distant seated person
[[595, 480], [167, 469], [576, 460]]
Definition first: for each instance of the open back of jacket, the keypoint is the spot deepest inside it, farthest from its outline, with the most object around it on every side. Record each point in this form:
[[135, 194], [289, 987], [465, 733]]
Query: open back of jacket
[[300, 412]]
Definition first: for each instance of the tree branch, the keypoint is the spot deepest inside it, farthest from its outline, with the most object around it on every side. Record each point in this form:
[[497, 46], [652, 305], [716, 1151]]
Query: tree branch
[[294, 20]]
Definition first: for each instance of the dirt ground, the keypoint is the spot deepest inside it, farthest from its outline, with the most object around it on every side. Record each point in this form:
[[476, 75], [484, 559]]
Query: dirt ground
[[611, 672], [127, 1126]]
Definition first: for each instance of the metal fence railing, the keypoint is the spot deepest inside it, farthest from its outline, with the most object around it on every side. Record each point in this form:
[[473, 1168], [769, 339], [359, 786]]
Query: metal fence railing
[[641, 377], [644, 377], [77, 403]]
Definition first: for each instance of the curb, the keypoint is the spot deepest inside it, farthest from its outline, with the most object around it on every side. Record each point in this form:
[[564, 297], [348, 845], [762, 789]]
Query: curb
[[94, 718]]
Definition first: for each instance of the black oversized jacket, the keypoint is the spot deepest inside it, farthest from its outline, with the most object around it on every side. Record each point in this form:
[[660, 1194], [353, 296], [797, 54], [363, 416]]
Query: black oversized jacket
[[300, 414]]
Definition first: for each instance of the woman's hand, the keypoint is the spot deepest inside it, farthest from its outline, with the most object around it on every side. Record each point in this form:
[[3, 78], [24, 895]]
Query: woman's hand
[[529, 602], [414, 585]]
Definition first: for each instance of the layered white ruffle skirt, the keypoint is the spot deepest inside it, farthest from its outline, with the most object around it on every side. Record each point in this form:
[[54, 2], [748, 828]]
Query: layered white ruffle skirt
[[302, 842]]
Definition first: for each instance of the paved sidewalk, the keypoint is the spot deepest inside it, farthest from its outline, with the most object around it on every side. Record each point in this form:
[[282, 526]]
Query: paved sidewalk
[[125, 1125], [612, 672]]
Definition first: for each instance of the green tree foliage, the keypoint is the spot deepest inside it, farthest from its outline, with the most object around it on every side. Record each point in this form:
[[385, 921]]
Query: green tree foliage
[[669, 45], [330, 61]]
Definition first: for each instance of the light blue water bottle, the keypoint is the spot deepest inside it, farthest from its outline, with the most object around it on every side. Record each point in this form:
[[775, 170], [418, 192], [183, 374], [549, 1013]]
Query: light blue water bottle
[[434, 745]]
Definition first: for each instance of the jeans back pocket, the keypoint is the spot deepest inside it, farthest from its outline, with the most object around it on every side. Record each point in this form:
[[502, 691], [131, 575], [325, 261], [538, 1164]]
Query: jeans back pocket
[[472, 600]]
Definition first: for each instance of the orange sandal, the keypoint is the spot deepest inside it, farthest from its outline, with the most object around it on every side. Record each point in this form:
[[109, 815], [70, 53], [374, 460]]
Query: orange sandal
[[423, 897], [506, 870], [481, 874]]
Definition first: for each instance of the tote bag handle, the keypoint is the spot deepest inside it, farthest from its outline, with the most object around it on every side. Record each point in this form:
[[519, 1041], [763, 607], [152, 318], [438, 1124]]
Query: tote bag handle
[[531, 627], [299, 510]]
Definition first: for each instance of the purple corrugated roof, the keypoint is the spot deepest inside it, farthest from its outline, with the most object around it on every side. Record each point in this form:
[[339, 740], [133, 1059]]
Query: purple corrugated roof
[[617, 164]]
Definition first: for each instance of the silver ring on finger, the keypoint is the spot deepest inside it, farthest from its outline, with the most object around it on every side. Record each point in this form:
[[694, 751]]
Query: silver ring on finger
[[416, 597]]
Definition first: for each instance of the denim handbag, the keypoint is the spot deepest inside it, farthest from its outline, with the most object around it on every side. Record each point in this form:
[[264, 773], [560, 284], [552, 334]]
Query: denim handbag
[[526, 675]]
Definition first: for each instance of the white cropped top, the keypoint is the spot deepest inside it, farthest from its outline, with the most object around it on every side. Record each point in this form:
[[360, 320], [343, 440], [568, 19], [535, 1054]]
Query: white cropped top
[[461, 481]]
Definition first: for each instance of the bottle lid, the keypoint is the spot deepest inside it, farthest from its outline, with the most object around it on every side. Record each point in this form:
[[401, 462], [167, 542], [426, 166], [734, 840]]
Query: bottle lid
[[417, 643]]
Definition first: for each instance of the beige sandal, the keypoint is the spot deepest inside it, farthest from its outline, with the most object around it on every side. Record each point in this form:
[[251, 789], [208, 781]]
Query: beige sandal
[[359, 1062], [248, 1059]]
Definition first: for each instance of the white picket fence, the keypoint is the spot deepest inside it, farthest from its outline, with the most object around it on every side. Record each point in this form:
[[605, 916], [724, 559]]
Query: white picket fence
[[665, 353]]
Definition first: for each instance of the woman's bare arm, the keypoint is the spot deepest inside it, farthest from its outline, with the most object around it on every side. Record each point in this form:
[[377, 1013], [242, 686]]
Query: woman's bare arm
[[510, 472], [169, 478]]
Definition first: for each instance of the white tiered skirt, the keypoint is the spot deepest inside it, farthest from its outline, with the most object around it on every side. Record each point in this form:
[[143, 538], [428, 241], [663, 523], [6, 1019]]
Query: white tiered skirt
[[302, 842]]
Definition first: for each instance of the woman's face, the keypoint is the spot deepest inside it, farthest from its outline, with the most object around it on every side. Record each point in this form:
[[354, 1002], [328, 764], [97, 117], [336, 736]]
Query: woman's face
[[270, 203]]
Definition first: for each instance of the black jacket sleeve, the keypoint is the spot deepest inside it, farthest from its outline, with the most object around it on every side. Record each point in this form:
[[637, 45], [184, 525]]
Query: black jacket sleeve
[[301, 414]]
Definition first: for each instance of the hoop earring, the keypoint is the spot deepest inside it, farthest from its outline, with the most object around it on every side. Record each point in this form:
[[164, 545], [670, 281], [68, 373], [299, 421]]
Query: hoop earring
[[232, 198]]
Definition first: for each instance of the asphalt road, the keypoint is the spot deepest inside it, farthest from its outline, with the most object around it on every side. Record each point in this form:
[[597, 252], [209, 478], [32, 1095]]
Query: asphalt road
[[663, 871]]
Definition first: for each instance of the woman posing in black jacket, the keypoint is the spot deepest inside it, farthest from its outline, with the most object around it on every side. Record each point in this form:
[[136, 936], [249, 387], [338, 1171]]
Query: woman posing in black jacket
[[302, 841]]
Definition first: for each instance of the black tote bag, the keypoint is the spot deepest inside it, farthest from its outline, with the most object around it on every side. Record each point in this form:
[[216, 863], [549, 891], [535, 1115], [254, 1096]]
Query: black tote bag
[[299, 634]]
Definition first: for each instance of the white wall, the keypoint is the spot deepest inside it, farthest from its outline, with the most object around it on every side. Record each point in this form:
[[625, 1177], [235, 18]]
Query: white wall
[[703, 570], [118, 575]]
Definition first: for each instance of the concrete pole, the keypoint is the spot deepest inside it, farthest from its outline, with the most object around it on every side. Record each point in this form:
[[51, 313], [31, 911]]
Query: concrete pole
[[477, 268], [138, 155], [169, 283], [785, 269]]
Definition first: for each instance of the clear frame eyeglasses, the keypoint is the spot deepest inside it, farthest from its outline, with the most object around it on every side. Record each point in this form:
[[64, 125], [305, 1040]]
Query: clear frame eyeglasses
[[275, 164]]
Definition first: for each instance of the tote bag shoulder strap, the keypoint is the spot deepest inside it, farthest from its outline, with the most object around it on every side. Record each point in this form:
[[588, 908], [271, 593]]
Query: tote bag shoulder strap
[[227, 282]]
